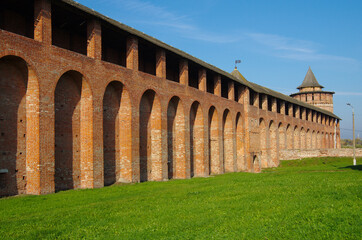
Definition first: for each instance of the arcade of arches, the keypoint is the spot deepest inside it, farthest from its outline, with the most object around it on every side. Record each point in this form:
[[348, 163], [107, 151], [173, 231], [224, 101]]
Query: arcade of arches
[[75, 116]]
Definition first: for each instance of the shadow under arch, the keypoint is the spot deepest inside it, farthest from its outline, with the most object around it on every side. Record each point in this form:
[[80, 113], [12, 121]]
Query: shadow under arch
[[117, 135], [214, 142], [281, 136], [289, 138], [240, 158], [303, 138], [197, 141], [296, 138], [318, 140], [150, 137], [263, 136], [256, 164], [227, 142], [19, 125], [323, 140], [73, 105], [314, 140], [308, 139], [273, 145], [176, 163]]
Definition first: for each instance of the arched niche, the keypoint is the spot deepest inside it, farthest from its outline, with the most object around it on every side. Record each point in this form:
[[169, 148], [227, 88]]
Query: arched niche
[[117, 135]]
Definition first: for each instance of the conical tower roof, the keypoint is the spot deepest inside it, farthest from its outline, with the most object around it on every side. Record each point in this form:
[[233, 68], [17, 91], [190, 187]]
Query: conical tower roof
[[238, 75], [310, 80]]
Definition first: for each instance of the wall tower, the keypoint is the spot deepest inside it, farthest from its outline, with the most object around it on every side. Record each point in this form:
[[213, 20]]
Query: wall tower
[[310, 91]]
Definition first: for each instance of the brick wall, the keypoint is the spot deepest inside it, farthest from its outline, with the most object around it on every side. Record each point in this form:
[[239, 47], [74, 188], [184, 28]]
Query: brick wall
[[72, 118], [297, 154]]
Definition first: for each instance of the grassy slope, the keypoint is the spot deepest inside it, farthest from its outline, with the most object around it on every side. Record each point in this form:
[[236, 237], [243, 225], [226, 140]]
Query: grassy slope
[[309, 199]]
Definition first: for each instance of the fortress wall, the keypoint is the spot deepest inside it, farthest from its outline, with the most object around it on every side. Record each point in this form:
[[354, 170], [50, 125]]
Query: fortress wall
[[298, 153], [91, 119]]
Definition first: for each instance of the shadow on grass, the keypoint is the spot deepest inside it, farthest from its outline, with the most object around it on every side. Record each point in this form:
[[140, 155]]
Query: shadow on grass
[[357, 167]]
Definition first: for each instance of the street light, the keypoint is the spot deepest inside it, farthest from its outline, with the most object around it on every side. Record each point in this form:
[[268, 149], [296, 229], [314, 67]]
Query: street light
[[354, 140]]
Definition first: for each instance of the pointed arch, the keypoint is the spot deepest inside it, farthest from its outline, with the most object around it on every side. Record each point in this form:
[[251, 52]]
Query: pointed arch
[[176, 139], [289, 137], [302, 139], [296, 138], [240, 158], [314, 140], [318, 141], [263, 135], [228, 143], [326, 145], [273, 141], [73, 131], [331, 140], [19, 126], [323, 140], [150, 137], [197, 142], [117, 135], [308, 144], [256, 164], [281, 136], [214, 142]]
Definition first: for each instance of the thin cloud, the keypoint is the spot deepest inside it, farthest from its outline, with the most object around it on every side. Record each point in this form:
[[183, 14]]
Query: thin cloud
[[146, 9], [150, 9], [276, 45], [162, 17], [172, 25], [316, 57], [154, 15], [282, 43], [212, 37], [295, 49]]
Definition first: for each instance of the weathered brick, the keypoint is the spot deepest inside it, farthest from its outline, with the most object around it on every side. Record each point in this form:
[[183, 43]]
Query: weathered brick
[[71, 117]]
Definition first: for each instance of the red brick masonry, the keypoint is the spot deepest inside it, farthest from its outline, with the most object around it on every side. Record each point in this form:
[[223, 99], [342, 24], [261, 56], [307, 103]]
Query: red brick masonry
[[79, 111]]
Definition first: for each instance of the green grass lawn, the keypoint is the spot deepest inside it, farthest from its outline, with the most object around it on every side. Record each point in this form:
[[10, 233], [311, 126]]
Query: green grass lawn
[[302, 199]]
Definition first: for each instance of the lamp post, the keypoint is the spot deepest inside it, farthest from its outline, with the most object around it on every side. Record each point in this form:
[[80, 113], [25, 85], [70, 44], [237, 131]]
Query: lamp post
[[354, 140]]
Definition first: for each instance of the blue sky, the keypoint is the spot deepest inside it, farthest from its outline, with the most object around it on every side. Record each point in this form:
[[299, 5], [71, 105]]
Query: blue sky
[[276, 40]]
